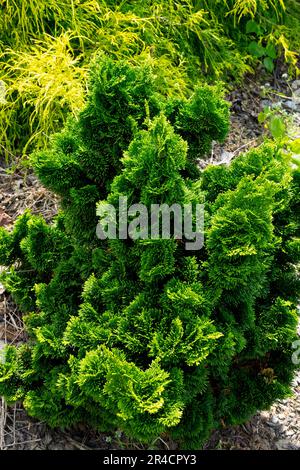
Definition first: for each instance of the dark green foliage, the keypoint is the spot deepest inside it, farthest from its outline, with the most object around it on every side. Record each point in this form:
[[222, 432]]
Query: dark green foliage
[[201, 120], [118, 102], [141, 334], [86, 155]]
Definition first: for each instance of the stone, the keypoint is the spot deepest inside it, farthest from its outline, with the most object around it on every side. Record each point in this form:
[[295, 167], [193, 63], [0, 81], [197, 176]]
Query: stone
[[275, 419], [290, 104], [296, 93], [285, 444], [296, 84], [226, 156], [266, 104]]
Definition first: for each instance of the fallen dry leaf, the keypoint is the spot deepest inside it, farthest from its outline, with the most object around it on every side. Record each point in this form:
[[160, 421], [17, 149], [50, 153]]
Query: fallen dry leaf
[[5, 219]]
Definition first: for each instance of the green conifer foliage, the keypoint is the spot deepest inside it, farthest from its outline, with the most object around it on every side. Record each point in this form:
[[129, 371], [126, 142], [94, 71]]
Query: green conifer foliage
[[142, 335]]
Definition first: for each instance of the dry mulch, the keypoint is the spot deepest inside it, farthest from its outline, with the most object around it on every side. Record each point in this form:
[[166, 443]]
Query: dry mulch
[[277, 428], [20, 190]]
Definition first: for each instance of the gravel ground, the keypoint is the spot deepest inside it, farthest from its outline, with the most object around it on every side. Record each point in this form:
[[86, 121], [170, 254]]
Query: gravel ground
[[277, 428]]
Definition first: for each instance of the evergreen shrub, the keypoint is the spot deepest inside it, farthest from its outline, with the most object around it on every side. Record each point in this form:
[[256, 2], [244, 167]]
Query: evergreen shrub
[[142, 335]]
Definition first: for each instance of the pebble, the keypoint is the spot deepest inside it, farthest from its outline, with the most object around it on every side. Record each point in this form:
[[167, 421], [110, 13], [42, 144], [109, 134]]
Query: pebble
[[284, 444], [297, 100], [271, 424], [226, 156], [296, 84], [275, 419], [266, 104], [296, 92], [290, 104]]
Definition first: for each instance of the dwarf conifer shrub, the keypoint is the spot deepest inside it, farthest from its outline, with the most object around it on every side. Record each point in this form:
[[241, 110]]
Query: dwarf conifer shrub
[[143, 335]]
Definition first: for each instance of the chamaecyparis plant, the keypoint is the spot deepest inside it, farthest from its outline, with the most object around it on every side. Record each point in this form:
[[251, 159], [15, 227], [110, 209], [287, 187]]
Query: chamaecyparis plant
[[143, 335]]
